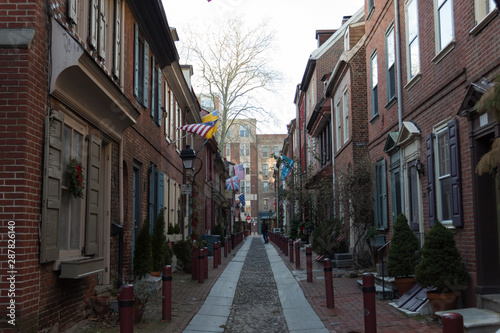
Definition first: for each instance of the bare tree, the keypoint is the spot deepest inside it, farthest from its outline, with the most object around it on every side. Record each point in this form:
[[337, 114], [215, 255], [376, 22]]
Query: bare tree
[[233, 62]]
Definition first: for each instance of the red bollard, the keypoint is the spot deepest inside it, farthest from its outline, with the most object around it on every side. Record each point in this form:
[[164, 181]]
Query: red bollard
[[205, 251], [201, 265], [126, 304], [167, 293], [285, 246], [291, 250], [297, 254], [330, 301], [369, 303], [309, 264], [453, 323], [194, 262], [225, 247], [214, 252]]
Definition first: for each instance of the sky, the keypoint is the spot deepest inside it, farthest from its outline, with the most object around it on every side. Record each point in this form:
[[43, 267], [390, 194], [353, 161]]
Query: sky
[[295, 23]]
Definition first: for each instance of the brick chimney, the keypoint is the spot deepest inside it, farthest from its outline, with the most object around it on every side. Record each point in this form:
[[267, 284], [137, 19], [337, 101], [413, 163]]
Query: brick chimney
[[323, 35]]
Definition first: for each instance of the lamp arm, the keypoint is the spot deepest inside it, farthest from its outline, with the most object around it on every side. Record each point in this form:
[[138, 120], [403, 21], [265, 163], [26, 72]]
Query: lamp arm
[[201, 161]]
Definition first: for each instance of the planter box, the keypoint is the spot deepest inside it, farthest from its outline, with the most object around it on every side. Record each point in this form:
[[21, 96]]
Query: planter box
[[78, 268], [377, 240], [174, 238]]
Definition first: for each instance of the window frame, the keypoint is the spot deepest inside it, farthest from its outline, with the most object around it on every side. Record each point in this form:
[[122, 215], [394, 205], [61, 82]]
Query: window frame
[[265, 151], [380, 195], [244, 131], [443, 45], [265, 186], [244, 149], [374, 84], [412, 40], [338, 121], [345, 113], [265, 170], [390, 64]]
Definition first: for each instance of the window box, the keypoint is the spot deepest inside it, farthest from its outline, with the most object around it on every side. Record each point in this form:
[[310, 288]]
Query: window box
[[81, 267], [377, 240]]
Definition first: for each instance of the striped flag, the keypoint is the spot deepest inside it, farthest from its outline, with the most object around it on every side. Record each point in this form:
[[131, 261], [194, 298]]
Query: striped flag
[[242, 200], [201, 129], [232, 184], [239, 171], [214, 116]]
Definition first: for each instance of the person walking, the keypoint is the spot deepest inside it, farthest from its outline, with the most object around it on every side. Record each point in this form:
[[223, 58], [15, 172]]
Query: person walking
[[264, 231]]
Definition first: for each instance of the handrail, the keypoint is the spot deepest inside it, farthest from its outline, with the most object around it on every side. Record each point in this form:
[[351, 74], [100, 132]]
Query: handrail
[[382, 260]]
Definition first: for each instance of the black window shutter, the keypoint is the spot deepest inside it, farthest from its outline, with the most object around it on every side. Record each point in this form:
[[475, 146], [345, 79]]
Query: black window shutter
[[136, 60], [52, 178], [145, 78], [375, 190], [456, 186], [93, 197], [431, 185], [160, 198], [384, 209], [151, 197], [152, 109]]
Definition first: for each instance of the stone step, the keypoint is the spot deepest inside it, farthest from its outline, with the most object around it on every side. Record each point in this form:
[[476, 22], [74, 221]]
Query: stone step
[[342, 256], [477, 320], [490, 302]]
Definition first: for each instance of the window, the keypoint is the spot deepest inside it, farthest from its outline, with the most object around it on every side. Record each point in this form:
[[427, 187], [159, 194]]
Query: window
[[265, 204], [156, 90], [346, 40], [228, 151], [443, 175], [371, 7], [413, 47], [264, 151], [444, 17], [244, 186], [118, 39], [337, 125], [345, 109], [395, 175], [265, 187], [98, 25], [374, 83], [141, 67], [244, 130], [247, 168], [244, 149], [265, 170], [276, 150], [413, 196], [169, 114], [390, 62], [380, 195], [207, 103], [483, 8], [156, 194], [76, 219]]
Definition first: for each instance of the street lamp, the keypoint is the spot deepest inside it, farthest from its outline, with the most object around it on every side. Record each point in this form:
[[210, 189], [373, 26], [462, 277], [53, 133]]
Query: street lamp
[[188, 157]]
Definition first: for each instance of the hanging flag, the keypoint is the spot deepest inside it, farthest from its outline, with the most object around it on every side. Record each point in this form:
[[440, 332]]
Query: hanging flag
[[201, 129], [214, 116], [232, 184], [239, 171], [287, 166], [242, 200]]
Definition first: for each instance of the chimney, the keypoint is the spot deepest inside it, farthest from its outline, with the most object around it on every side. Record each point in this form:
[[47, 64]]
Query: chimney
[[323, 35], [345, 19]]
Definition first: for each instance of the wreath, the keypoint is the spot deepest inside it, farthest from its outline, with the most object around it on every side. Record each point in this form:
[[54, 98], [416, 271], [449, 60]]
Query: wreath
[[76, 179]]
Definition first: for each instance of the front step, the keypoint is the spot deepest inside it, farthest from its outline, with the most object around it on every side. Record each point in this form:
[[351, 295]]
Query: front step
[[477, 320], [490, 302]]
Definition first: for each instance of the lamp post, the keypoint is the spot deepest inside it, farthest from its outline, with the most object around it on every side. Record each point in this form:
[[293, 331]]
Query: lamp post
[[188, 157]]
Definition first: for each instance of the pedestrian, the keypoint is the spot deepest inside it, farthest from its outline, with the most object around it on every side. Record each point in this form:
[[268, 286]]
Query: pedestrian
[[264, 231]]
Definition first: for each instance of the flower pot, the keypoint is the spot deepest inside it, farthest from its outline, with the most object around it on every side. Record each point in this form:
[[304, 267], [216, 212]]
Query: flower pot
[[404, 284], [442, 301], [156, 274]]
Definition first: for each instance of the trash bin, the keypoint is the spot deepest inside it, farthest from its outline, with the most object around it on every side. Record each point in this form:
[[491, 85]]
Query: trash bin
[[211, 239]]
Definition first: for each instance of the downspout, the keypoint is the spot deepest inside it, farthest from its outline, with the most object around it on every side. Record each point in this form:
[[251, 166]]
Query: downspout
[[122, 222], [333, 154], [400, 96]]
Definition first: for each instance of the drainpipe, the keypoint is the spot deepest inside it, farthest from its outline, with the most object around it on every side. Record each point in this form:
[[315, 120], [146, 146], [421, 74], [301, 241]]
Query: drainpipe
[[400, 96], [333, 153], [120, 199]]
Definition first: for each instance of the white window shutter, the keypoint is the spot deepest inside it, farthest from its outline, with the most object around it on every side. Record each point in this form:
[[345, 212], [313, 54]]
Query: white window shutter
[[118, 27], [102, 29], [73, 11], [94, 196], [94, 19]]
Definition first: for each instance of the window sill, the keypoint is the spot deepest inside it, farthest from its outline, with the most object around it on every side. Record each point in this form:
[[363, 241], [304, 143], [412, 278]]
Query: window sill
[[413, 81], [374, 118], [391, 102], [484, 22], [80, 267], [444, 52], [370, 13]]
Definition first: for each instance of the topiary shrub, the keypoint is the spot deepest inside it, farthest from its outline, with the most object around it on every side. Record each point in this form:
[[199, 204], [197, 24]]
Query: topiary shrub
[[441, 265], [158, 243], [403, 253], [218, 229], [143, 255], [182, 250]]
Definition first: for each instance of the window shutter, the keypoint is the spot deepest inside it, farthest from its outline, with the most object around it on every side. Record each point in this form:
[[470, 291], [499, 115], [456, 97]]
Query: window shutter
[[102, 29], [431, 186], [136, 60], [94, 196], [73, 10], [52, 178], [94, 19], [160, 202], [118, 27], [158, 106], [145, 78], [383, 199], [456, 186], [151, 197], [153, 95], [376, 211]]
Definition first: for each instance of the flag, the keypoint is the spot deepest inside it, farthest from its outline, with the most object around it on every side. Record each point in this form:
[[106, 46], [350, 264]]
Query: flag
[[239, 171], [242, 200], [214, 116], [232, 184], [287, 166], [201, 129]]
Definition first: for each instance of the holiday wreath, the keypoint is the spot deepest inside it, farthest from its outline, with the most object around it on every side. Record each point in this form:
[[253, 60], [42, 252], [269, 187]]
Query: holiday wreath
[[76, 179]]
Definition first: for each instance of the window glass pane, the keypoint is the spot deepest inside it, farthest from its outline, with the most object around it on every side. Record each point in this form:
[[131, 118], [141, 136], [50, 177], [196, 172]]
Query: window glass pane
[[264, 169], [414, 194], [374, 70], [265, 186], [264, 151], [443, 151], [445, 185], [445, 23], [276, 150], [491, 5], [391, 52], [412, 20], [414, 58]]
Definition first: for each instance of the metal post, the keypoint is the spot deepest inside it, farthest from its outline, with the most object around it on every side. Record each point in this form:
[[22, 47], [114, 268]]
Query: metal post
[[453, 323], [369, 303], [167, 293], [297, 254], [225, 247], [291, 249], [285, 246], [205, 251], [126, 304], [214, 253], [309, 264], [330, 301]]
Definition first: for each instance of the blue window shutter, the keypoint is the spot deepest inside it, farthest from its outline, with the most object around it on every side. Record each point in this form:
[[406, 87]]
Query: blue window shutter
[[151, 197], [456, 186], [383, 187], [160, 183], [158, 107], [145, 78], [136, 60], [431, 185], [153, 80]]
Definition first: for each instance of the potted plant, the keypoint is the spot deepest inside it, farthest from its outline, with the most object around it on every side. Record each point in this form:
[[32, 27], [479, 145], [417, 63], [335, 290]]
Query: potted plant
[[158, 245], [182, 250], [144, 290], [441, 268], [403, 255], [143, 255], [374, 238]]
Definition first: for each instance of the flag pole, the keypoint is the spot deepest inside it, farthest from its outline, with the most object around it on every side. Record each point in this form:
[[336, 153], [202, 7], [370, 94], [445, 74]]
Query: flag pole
[[182, 137]]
